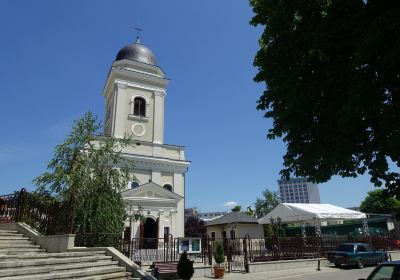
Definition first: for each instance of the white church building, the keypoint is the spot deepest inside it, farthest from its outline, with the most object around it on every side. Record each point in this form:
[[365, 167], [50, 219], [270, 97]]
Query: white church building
[[134, 94]]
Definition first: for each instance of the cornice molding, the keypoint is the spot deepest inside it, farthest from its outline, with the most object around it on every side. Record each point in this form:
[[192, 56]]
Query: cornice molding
[[126, 84], [160, 93], [157, 164]]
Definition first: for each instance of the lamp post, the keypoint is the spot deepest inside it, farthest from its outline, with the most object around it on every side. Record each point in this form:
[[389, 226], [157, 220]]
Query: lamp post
[[318, 239]]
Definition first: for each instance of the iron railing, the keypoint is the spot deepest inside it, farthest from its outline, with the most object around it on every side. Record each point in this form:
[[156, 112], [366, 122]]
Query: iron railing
[[102, 240], [45, 214]]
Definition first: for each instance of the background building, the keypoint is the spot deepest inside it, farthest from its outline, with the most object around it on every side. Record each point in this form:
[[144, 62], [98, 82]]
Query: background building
[[208, 216], [234, 225], [298, 190]]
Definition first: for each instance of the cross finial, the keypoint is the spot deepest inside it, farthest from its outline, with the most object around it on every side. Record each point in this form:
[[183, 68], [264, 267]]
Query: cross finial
[[138, 34]]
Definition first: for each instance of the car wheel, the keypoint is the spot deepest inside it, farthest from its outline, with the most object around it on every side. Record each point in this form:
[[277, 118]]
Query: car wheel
[[384, 259], [337, 264], [360, 263]]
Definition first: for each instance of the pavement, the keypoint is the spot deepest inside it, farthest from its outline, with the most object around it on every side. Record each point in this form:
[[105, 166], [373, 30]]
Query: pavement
[[326, 273]]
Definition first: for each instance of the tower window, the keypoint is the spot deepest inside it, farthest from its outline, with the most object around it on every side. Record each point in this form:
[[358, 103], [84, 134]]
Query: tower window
[[139, 107], [168, 187]]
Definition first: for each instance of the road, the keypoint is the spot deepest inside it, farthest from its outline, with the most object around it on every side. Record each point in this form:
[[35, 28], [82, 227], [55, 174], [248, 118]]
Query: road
[[326, 273]]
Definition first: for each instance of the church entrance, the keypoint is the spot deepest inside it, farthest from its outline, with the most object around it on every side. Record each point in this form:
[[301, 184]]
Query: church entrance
[[149, 233]]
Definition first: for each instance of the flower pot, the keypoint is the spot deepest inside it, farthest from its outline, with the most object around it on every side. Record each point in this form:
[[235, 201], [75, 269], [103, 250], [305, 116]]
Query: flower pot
[[219, 272]]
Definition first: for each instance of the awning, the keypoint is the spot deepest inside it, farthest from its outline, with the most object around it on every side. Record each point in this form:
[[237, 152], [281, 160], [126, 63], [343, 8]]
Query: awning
[[302, 212]]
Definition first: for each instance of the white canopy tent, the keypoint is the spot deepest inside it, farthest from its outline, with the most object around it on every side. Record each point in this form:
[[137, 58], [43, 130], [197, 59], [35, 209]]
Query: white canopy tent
[[302, 213]]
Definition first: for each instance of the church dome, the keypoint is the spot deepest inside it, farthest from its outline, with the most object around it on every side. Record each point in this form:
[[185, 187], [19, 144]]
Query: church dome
[[137, 52]]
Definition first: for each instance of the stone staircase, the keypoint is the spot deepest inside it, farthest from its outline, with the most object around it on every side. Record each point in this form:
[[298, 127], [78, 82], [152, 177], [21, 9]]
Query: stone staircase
[[20, 259]]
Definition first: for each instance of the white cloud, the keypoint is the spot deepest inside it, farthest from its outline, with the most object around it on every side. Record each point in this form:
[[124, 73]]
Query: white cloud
[[230, 204]]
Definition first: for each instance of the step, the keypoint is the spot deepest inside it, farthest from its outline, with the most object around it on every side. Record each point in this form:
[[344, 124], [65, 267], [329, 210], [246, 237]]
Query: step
[[13, 237], [8, 231], [18, 245], [50, 261], [30, 255], [10, 234], [109, 276], [74, 274], [5, 242], [51, 268], [15, 251]]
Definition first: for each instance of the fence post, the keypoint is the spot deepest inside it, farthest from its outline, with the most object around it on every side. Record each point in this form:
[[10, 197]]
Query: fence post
[[71, 214], [246, 254], [20, 205], [210, 255]]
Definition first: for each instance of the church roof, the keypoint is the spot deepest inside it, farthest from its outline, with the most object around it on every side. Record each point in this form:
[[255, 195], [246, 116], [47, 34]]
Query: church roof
[[233, 217], [137, 52], [150, 192]]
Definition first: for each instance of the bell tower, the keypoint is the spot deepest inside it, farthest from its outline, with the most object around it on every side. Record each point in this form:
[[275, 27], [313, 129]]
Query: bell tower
[[134, 93]]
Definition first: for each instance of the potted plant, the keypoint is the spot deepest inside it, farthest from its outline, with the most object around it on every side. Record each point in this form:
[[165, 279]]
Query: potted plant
[[219, 258], [185, 267]]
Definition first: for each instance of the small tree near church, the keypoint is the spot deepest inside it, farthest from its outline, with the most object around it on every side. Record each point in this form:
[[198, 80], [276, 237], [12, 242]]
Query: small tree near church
[[84, 167]]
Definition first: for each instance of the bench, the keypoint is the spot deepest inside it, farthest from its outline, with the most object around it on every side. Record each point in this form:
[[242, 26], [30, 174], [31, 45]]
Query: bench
[[162, 268], [263, 259]]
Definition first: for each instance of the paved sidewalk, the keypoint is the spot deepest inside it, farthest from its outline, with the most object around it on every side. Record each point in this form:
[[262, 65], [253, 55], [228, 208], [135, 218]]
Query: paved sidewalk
[[275, 275]]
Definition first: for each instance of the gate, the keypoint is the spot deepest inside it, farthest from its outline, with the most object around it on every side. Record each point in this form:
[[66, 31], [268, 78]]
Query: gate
[[237, 255]]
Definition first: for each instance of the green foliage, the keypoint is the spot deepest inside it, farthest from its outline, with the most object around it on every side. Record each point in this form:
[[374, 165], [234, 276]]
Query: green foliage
[[378, 201], [194, 227], [237, 208], [219, 255], [250, 211], [185, 267], [265, 204], [332, 86], [83, 167]]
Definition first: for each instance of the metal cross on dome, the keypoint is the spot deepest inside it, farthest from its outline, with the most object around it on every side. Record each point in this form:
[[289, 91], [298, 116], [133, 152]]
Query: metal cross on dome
[[138, 34]]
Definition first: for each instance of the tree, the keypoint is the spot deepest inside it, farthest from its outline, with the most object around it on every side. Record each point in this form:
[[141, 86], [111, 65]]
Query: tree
[[265, 204], [378, 202], [237, 208], [332, 86], [83, 167], [194, 227]]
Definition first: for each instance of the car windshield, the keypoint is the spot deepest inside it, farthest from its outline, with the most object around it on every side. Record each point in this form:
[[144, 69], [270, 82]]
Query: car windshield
[[383, 273], [345, 248]]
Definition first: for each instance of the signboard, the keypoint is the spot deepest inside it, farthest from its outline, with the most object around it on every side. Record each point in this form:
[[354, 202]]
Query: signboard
[[190, 245]]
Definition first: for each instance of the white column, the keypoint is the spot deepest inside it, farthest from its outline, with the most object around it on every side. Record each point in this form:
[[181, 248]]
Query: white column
[[161, 223], [156, 177], [158, 135], [121, 111], [173, 228]]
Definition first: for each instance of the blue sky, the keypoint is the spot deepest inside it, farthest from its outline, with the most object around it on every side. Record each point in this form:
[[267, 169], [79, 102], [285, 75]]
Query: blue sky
[[55, 56]]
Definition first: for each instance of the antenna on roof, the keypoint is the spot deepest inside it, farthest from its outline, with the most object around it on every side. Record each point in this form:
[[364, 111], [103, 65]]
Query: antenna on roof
[[138, 34]]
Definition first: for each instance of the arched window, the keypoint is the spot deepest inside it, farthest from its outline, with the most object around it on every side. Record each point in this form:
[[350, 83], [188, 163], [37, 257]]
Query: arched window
[[168, 187], [134, 185], [139, 107]]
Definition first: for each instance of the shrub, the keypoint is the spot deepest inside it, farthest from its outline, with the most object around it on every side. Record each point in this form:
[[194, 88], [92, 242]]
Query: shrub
[[219, 256], [185, 267]]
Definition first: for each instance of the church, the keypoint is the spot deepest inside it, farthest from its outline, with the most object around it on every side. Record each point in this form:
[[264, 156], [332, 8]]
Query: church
[[134, 94]]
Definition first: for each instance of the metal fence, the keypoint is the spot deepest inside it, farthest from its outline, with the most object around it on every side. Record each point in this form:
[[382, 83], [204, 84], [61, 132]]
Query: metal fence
[[239, 252], [45, 214]]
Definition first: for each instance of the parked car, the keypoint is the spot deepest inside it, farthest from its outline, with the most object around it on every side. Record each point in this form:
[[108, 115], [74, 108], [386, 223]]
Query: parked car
[[358, 254], [385, 271]]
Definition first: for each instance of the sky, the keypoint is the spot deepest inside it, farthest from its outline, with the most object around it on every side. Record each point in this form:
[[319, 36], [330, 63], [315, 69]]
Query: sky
[[55, 57]]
